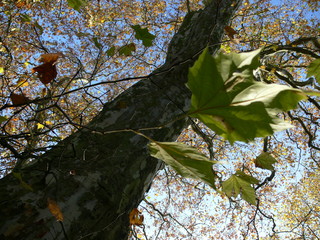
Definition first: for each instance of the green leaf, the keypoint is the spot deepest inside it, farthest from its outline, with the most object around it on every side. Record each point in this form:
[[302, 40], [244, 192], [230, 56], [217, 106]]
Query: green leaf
[[111, 51], [247, 59], [37, 25], [186, 160], [240, 183], [246, 177], [127, 50], [18, 176], [265, 161], [25, 18], [228, 100], [314, 69], [2, 119], [76, 4], [81, 34], [312, 93], [144, 35], [96, 43]]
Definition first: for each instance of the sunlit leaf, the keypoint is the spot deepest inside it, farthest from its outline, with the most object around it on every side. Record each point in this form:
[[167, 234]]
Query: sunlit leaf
[[314, 69], [76, 4], [135, 217], [186, 160], [50, 57], [240, 183], [48, 122], [312, 93], [144, 35], [22, 83], [265, 161], [229, 101], [55, 209], [40, 126]]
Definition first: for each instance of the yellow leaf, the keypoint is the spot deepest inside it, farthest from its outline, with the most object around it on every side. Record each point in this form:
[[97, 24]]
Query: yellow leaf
[[22, 83], [43, 92], [1, 70], [40, 126], [48, 122], [55, 209], [135, 217]]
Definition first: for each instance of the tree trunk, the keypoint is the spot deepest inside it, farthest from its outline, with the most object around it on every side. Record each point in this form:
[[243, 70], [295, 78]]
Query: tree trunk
[[100, 173]]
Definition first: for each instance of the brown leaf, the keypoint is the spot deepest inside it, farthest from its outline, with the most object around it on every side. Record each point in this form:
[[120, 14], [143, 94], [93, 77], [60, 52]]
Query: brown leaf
[[43, 92], [20, 4], [18, 99], [55, 209], [231, 32], [50, 57], [46, 72], [135, 217]]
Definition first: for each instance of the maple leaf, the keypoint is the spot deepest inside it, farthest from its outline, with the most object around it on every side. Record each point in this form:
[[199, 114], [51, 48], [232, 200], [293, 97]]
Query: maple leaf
[[144, 35], [47, 71], [50, 57], [231, 32], [127, 50], [18, 99], [265, 161], [135, 217], [55, 209]]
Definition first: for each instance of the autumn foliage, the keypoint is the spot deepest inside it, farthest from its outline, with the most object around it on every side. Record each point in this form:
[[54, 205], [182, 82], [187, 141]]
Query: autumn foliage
[[112, 44], [135, 217], [18, 99], [47, 71]]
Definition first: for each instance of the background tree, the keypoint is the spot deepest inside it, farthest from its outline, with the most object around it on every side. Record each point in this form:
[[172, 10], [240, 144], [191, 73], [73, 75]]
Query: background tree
[[100, 64]]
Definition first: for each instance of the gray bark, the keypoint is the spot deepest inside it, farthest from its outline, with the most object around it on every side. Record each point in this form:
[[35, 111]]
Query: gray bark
[[112, 166]]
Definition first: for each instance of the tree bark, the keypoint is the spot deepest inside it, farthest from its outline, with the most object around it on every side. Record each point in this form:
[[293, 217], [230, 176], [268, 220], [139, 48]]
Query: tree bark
[[100, 173]]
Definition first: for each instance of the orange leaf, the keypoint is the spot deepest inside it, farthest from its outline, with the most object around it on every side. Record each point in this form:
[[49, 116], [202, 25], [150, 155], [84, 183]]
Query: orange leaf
[[18, 99], [46, 72], [50, 57], [135, 217], [55, 209]]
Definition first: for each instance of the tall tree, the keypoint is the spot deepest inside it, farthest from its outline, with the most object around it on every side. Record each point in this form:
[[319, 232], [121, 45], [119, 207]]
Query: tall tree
[[96, 176]]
